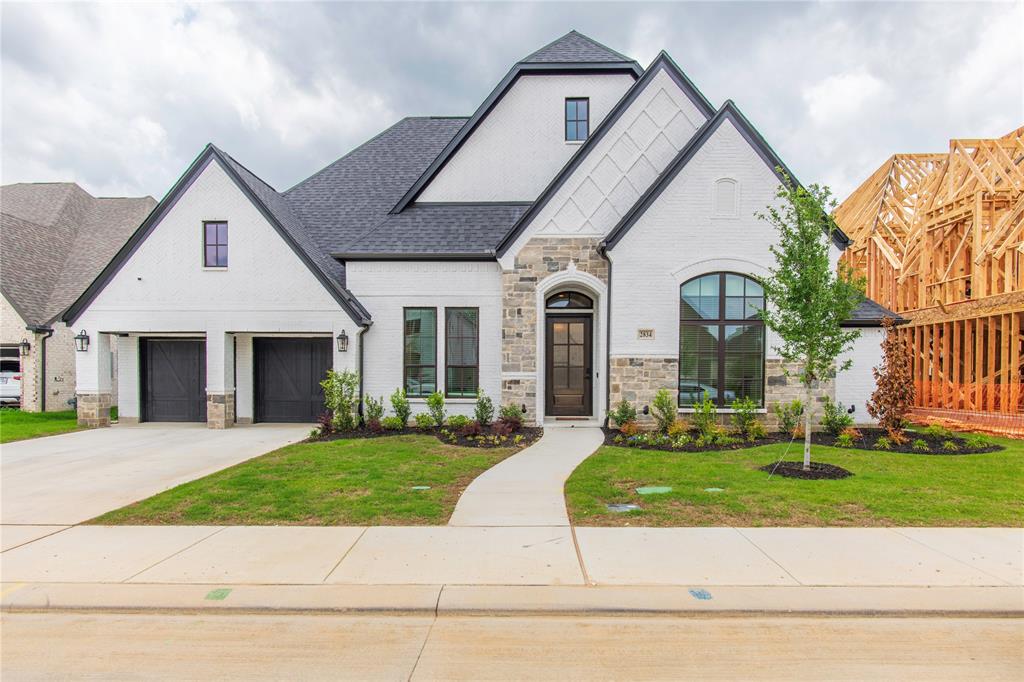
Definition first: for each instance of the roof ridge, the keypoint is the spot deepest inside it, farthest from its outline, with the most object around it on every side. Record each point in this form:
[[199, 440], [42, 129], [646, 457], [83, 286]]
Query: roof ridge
[[574, 33]]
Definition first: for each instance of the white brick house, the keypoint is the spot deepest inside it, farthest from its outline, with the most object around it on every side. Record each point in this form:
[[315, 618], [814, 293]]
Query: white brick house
[[587, 235]]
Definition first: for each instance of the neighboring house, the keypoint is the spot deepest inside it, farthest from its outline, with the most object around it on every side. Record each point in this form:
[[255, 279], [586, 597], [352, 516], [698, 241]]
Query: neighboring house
[[54, 239], [587, 235]]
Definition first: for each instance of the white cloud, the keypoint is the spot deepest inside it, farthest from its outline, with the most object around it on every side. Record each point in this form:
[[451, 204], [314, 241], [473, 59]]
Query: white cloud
[[840, 98]]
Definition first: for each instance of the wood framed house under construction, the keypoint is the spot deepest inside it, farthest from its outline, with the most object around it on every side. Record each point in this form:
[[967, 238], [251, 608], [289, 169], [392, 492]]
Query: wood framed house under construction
[[940, 240]]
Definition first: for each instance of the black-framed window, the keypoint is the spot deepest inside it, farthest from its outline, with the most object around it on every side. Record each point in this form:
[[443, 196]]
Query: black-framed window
[[215, 244], [419, 357], [577, 119], [462, 352], [721, 339], [570, 299]]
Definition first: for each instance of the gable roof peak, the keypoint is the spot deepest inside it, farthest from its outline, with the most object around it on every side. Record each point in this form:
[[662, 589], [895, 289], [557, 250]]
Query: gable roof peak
[[574, 47]]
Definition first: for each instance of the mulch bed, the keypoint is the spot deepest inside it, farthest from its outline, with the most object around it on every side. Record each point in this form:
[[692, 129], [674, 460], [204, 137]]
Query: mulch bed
[[611, 434], [818, 470], [530, 434]]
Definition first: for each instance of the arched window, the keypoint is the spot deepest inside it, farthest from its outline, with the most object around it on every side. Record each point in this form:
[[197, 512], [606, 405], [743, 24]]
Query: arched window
[[721, 340], [570, 299], [726, 196]]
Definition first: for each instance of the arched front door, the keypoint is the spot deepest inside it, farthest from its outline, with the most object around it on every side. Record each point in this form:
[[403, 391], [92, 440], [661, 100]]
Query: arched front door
[[569, 352]]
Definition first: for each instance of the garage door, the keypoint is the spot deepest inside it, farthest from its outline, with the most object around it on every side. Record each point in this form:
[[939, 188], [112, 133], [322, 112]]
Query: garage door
[[173, 380], [288, 376]]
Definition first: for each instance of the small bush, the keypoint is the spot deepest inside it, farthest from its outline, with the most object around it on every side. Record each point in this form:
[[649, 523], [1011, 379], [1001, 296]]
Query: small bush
[[511, 416], [484, 410], [400, 404], [756, 431], [679, 427], [624, 413], [681, 441], [853, 433], [894, 382], [392, 423], [705, 417], [936, 431], [340, 398], [883, 443], [374, 426], [504, 427], [950, 446], [975, 441], [425, 422], [473, 428], [435, 406], [744, 416], [374, 408], [458, 422], [834, 418], [920, 445], [789, 415], [629, 429], [324, 425], [844, 440], [663, 407]]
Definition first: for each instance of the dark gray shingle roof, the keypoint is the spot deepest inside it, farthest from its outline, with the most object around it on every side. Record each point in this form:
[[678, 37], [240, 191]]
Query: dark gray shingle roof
[[56, 239], [356, 192], [449, 229], [871, 314], [575, 47]]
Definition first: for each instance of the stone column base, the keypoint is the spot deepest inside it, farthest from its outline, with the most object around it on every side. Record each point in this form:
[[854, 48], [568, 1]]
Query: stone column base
[[521, 392], [220, 410], [94, 409], [636, 380]]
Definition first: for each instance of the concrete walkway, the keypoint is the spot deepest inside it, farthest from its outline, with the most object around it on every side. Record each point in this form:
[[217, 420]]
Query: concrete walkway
[[527, 489], [70, 478]]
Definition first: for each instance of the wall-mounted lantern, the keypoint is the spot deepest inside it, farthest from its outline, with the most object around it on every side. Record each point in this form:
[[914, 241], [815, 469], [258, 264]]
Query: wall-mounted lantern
[[343, 342], [82, 341], [24, 347]]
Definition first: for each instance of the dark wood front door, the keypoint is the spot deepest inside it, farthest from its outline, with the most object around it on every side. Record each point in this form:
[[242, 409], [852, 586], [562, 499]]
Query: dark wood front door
[[173, 380], [288, 376], [569, 378]]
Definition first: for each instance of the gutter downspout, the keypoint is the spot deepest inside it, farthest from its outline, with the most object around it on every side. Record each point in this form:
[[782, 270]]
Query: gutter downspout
[[39, 329], [360, 334], [602, 251]]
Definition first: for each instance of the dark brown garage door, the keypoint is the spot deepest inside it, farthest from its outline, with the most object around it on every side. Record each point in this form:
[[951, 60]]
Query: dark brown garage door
[[288, 376], [173, 380]]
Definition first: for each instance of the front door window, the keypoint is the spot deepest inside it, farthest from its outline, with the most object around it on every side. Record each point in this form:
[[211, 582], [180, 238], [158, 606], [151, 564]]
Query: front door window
[[569, 376]]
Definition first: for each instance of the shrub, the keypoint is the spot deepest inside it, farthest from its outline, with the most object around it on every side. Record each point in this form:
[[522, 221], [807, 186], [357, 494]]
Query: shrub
[[511, 416], [756, 431], [504, 427], [680, 441], [844, 440], [937, 431], [974, 441], [374, 426], [920, 445], [894, 382], [789, 415], [705, 417], [425, 422], [473, 428], [883, 443], [853, 433], [458, 421], [374, 408], [663, 407], [624, 413], [834, 418], [435, 406], [392, 423], [324, 425], [679, 427], [630, 429], [744, 416], [950, 446], [484, 410], [340, 398], [400, 404]]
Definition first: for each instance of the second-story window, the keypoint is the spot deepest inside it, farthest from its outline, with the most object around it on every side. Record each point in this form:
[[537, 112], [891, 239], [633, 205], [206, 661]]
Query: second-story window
[[577, 119], [215, 250]]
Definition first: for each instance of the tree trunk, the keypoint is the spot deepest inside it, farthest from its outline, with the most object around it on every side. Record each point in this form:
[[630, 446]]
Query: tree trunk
[[807, 426]]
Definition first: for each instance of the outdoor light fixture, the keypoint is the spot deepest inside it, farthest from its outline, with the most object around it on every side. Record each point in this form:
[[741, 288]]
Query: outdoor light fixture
[[82, 342], [343, 342], [25, 347]]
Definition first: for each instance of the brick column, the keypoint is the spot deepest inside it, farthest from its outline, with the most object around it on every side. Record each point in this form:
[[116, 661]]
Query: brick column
[[220, 380], [220, 410], [92, 374]]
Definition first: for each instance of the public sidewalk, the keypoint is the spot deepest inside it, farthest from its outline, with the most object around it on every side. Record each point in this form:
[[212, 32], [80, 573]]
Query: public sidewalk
[[558, 569]]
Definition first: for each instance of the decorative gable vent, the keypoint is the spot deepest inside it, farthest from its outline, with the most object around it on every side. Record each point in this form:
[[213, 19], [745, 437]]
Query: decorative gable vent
[[726, 197]]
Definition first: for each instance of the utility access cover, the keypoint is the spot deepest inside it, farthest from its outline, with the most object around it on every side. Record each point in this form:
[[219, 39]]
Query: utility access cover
[[620, 508], [654, 490]]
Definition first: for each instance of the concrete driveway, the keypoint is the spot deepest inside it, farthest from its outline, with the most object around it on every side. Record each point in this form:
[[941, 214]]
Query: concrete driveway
[[71, 478]]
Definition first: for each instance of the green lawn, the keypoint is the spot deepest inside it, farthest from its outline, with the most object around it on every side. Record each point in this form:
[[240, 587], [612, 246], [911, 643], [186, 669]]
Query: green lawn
[[18, 425], [888, 489], [340, 482]]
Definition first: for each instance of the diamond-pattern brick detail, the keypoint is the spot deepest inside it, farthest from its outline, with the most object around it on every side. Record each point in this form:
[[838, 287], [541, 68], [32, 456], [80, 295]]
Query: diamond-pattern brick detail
[[642, 130], [660, 152], [623, 196], [587, 197], [662, 108], [605, 175], [642, 174], [569, 218], [680, 130], [624, 152], [605, 218]]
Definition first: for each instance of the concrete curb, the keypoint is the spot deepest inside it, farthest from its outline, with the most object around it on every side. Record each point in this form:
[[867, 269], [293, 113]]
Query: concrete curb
[[455, 600]]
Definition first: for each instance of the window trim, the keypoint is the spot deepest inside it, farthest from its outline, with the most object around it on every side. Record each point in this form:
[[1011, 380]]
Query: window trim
[[721, 322], [447, 394], [207, 266], [565, 119], [405, 365]]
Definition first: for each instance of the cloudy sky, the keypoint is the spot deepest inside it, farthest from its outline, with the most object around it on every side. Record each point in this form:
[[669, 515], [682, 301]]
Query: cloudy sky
[[121, 98]]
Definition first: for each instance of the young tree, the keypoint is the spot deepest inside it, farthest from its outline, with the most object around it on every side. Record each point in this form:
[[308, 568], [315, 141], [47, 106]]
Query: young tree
[[894, 382], [807, 299]]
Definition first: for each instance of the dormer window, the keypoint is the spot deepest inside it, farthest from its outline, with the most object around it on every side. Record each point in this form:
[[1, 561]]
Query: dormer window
[[215, 237], [577, 119]]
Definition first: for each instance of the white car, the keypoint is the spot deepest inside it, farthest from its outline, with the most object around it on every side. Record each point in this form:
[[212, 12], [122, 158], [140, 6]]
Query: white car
[[10, 377]]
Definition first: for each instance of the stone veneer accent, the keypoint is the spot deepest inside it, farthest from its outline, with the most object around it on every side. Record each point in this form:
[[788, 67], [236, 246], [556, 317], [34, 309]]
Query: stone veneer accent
[[779, 388], [636, 380], [540, 258], [94, 409], [220, 410]]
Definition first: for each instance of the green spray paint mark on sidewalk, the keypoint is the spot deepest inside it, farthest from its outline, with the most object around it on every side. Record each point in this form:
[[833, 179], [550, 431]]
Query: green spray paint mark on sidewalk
[[218, 594]]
